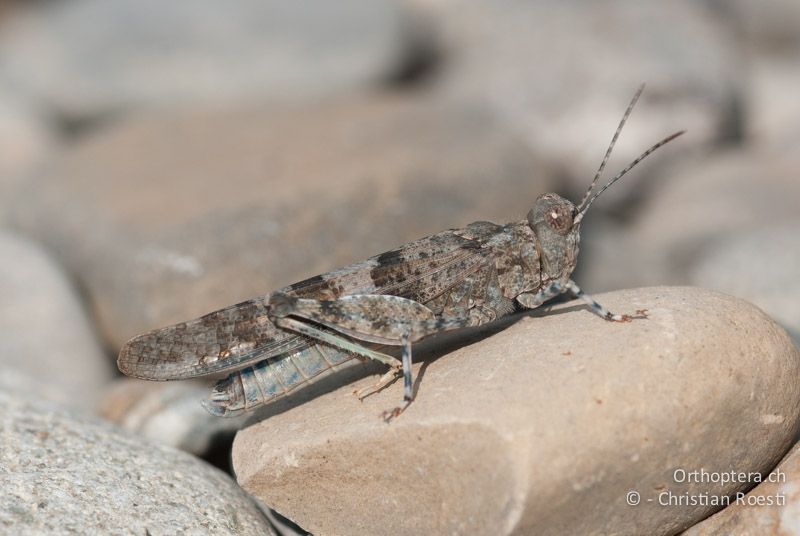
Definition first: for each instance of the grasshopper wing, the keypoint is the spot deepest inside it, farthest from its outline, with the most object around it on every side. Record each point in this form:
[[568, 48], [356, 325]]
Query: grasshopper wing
[[227, 339], [240, 335], [419, 271]]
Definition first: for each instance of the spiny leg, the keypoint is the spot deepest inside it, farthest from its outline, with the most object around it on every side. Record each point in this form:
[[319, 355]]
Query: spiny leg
[[598, 309]]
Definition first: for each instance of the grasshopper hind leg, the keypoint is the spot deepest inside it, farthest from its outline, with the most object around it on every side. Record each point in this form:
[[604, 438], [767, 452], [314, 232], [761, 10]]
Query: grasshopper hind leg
[[333, 339], [365, 318], [408, 382]]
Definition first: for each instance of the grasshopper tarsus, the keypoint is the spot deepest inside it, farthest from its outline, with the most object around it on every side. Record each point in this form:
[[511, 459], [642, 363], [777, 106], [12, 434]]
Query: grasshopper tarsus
[[390, 414], [384, 381], [641, 314]]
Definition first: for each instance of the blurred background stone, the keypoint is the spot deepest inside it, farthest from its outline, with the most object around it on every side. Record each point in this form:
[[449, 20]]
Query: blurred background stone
[[84, 59], [768, 45], [562, 72], [63, 474], [169, 413], [48, 347], [760, 265], [167, 217], [767, 26], [25, 140], [177, 157]]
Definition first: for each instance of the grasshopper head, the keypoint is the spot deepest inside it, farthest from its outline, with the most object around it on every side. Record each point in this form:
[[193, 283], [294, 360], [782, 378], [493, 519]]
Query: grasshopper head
[[552, 221], [556, 221]]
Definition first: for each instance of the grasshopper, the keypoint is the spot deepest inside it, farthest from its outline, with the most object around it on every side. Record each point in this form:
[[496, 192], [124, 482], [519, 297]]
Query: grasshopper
[[458, 278]]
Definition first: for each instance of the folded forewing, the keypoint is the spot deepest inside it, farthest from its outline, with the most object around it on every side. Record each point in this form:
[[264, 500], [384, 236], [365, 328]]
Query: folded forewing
[[242, 334]]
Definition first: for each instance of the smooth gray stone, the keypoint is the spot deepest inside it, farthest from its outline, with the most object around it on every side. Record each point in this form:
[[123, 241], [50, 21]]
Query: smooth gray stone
[[63, 474]]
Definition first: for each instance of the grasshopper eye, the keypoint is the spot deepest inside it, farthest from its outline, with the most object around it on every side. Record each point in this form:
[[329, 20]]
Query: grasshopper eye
[[559, 217]]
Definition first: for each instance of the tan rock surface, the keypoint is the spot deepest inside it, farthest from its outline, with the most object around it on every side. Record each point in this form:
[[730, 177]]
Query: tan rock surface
[[542, 427], [770, 509]]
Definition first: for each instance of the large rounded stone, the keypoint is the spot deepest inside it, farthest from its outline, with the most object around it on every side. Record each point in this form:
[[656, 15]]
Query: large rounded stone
[[543, 427], [61, 474], [218, 206]]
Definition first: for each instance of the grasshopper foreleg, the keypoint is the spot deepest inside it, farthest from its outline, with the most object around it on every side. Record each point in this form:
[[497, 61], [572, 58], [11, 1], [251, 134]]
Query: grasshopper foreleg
[[531, 301], [598, 309]]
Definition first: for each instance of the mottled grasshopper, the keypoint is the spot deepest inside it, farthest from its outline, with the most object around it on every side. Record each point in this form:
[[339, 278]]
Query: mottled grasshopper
[[454, 279]]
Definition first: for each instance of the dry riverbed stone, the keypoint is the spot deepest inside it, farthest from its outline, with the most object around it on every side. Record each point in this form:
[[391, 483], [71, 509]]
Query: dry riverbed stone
[[85, 58], [61, 474], [545, 425]]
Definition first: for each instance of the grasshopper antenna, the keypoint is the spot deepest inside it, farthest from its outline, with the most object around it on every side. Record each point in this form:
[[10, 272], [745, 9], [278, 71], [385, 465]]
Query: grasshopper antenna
[[619, 175], [611, 146]]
